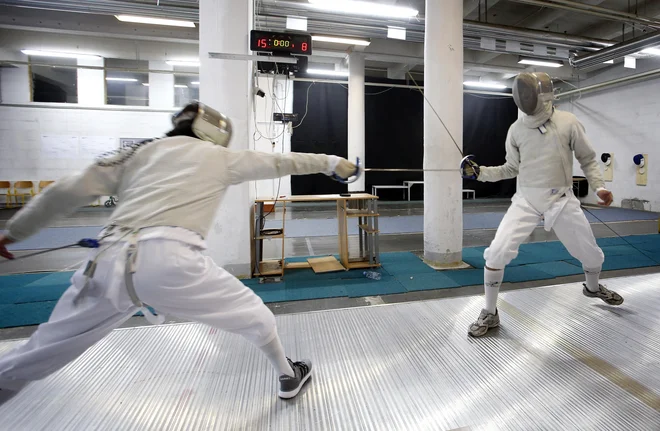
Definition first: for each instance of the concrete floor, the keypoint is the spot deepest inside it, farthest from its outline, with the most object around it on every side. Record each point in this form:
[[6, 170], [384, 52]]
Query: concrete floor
[[72, 258]]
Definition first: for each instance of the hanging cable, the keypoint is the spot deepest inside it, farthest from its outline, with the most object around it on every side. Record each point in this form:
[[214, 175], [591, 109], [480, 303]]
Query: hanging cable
[[306, 105], [436, 114]]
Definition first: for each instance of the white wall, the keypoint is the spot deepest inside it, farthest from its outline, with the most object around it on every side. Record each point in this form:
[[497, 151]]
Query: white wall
[[267, 131], [25, 157], [623, 120]]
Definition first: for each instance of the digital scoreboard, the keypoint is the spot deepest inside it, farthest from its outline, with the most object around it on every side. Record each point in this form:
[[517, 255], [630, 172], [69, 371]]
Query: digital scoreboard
[[290, 43]]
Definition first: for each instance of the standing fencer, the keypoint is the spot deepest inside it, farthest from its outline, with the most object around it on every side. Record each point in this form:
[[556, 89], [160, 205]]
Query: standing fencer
[[539, 150], [151, 252]]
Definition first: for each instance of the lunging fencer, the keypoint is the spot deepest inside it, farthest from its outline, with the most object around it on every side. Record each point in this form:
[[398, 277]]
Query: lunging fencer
[[539, 151], [151, 250]]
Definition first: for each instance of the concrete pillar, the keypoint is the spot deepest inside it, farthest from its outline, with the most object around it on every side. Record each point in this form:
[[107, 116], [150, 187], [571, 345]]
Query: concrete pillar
[[161, 86], [356, 115], [91, 82], [443, 87], [225, 85], [15, 80]]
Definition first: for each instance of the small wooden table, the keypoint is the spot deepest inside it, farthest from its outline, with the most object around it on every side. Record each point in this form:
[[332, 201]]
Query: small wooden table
[[361, 206]]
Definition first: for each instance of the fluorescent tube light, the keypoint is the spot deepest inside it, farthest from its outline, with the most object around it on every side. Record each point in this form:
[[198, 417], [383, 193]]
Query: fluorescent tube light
[[396, 33], [38, 53], [652, 51], [543, 63], [479, 84], [327, 72], [122, 79], [364, 8], [156, 21], [343, 40]]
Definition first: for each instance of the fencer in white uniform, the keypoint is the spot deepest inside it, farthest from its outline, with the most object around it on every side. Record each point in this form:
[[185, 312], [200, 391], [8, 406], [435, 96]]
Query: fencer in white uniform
[[151, 252], [539, 151]]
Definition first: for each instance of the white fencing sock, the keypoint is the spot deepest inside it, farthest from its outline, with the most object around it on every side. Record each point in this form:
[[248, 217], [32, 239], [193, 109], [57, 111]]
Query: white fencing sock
[[275, 354], [592, 276], [492, 281]]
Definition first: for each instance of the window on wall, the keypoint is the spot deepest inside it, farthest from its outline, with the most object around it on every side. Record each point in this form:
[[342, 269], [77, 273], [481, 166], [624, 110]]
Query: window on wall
[[54, 80], [126, 82], [186, 89]]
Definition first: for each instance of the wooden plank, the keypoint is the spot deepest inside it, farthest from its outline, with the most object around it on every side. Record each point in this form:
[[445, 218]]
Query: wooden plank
[[297, 265], [317, 198], [253, 246], [343, 232], [325, 264], [367, 229], [270, 267]]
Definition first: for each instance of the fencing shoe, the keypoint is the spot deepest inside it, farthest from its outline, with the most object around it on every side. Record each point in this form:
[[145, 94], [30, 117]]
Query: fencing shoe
[[290, 386], [610, 297], [485, 322]]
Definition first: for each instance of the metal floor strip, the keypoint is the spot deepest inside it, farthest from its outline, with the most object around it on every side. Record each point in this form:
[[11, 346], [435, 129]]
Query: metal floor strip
[[560, 361]]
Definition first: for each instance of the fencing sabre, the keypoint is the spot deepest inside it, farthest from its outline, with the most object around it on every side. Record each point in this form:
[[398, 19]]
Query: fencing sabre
[[85, 243]]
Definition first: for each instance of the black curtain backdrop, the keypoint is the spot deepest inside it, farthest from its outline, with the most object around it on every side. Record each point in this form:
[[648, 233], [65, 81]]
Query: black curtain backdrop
[[394, 123], [323, 130]]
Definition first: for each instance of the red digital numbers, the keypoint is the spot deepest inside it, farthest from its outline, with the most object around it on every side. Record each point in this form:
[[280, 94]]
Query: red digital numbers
[[262, 43], [304, 46]]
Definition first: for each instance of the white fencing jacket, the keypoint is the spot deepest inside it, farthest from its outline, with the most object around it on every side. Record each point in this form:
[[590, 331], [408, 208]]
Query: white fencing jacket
[[543, 162], [172, 182]]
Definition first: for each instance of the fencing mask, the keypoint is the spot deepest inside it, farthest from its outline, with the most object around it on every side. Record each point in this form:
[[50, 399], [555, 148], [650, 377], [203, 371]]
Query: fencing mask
[[531, 91], [206, 123]]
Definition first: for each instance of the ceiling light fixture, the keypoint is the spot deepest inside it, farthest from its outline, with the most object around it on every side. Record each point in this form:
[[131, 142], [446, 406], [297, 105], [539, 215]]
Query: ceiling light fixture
[[156, 21], [396, 33], [342, 40], [364, 8], [652, 51], [327, 72], [180, 86], [195, 83], [490, 85], [122, 79], [39, 53], [543, 63], [184, 63]]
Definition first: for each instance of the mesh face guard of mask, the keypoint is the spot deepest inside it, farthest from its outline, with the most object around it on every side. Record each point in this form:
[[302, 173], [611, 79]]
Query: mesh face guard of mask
[[531, 91], [207, 123]]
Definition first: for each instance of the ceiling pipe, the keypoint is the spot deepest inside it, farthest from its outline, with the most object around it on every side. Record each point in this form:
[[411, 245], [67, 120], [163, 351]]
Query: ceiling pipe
[[598, 11], [617, 51], [615, 82]]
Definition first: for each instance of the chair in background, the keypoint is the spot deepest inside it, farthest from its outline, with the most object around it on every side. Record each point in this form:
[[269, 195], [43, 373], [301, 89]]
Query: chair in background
[[44, 184], [23, 189], [5, 190]]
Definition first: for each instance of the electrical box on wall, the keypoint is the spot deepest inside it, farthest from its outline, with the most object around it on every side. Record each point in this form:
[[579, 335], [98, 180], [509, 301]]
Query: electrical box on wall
[[608, 169], [642, 161]]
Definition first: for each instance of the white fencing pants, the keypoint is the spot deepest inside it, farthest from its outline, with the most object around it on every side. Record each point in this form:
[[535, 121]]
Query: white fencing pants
[[570, 225], [172, 277]]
